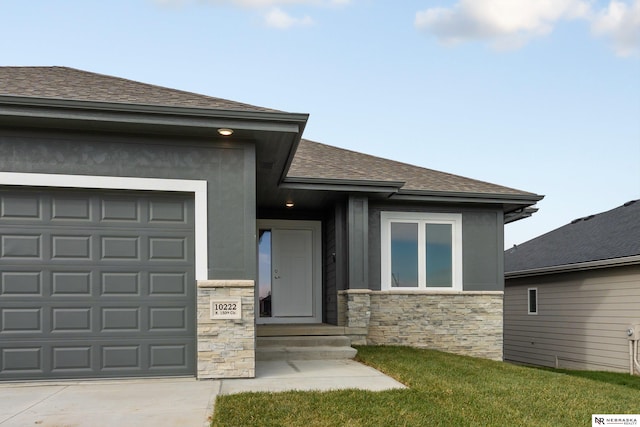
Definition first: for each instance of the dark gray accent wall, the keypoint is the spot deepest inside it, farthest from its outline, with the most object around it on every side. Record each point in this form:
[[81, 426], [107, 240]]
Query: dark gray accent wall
[[482, 240], [482, 250], [228, 168], [329, 291], [358, 235]]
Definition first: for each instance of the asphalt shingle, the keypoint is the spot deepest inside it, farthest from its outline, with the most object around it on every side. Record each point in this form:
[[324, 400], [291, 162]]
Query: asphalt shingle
[[72, 84], [607, 235], [321, 161]]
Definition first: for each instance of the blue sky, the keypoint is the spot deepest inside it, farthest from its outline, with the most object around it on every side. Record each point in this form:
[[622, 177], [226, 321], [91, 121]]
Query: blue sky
[[543, 96]]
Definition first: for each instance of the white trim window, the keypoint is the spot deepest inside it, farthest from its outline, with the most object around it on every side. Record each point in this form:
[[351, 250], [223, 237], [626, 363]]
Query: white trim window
[[532, 301], [421, 251]]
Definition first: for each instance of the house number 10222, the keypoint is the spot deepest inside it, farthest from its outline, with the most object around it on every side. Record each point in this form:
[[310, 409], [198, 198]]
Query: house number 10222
[[226, 309]]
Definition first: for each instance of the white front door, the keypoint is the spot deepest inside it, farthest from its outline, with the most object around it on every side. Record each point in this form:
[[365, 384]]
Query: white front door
[[289, 279]]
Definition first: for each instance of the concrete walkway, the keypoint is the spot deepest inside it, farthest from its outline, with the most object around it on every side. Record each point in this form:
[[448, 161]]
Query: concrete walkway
[[169, 401]]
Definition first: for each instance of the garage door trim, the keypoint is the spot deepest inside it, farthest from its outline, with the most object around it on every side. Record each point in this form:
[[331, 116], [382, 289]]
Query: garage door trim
[[197, 187]]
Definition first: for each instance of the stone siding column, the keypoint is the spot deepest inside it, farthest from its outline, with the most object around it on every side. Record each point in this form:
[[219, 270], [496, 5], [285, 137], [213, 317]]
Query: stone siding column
[[226, 347]]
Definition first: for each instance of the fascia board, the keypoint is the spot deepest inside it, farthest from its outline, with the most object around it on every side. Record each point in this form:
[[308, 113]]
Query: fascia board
[[341, 185], [444, 196], [581, 266], [45, 108]]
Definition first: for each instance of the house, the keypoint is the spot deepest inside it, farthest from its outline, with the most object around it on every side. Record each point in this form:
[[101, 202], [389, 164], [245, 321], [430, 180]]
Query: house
[[571, 294], [148, 231]]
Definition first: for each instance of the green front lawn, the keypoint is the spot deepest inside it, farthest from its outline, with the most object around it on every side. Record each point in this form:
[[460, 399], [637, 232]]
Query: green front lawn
[[445, 389]]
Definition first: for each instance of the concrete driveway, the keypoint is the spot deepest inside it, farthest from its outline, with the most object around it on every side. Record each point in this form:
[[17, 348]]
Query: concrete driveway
[[123, 403], [167, 402]]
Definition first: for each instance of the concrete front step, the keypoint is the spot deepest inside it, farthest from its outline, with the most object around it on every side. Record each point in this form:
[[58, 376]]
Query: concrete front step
[[296, 347], [305, 353], [304, 341]]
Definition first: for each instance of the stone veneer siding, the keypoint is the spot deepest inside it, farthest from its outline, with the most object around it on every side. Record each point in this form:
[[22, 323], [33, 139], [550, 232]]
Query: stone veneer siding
[[467, 323], [226, 348]]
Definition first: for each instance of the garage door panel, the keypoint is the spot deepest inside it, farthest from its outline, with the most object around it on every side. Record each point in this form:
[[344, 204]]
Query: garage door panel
[[120, 248], [21, 246], [126, 284], [167, 356], [71, 283], [15, 320], [21, 360], [167, 212], [21, 283], [71, 247], [167, 318], [167, 248], [14, 206], [167, 284], [120, 210], [73, 358], [120, 319], [96, 285], [67, 319], [71, 208]]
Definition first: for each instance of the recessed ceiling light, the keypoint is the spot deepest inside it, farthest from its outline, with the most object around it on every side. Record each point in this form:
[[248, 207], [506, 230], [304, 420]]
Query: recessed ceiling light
[[289, 204], [225, 131]]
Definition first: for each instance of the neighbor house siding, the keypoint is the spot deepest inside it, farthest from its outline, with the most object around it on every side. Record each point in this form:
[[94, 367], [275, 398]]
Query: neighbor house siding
[[581, 322], [228, 169]]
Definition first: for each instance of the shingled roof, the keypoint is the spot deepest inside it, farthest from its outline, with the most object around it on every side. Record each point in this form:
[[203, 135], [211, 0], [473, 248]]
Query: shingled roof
[[312, 160], [605, 236], [72, 84], [320, 161]]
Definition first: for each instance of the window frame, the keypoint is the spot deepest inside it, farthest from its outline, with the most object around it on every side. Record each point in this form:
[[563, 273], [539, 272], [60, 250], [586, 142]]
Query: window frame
[[421, 218], [535, 290]]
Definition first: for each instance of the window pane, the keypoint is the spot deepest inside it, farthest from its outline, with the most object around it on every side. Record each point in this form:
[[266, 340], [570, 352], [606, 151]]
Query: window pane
[[439, 258], [404, 254], [264, 272], [533, 301]]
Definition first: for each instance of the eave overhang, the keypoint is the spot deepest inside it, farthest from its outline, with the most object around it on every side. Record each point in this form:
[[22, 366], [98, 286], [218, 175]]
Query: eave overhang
[[49, 112], [580, 266], [342, 185]]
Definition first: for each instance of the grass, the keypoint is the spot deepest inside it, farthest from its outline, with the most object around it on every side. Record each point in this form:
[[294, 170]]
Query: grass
[[444, 389]]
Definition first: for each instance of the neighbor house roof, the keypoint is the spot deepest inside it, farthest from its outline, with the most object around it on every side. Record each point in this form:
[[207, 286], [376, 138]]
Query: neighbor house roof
[[72, 84], [591, 241]]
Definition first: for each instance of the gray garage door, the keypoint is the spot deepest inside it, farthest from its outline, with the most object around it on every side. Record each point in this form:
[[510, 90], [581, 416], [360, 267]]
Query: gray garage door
[[96, 284]]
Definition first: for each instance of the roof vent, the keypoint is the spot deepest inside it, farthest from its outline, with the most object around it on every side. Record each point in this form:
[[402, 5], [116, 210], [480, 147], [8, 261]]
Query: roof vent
[[584, 218]]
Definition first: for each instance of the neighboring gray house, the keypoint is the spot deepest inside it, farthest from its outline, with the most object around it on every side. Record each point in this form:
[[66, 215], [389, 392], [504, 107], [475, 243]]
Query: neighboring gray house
[[147, 231], [571, 294]]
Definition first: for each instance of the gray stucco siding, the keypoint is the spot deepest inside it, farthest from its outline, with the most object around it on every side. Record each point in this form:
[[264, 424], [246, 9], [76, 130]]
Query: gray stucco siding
[[228, 169], [482, 244]]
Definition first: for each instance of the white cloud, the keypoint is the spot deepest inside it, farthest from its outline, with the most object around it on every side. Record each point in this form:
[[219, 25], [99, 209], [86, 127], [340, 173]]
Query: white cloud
[[273, 15], [277, 18], [510, 24], [260, 3], [620, 22], [506, 24]]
